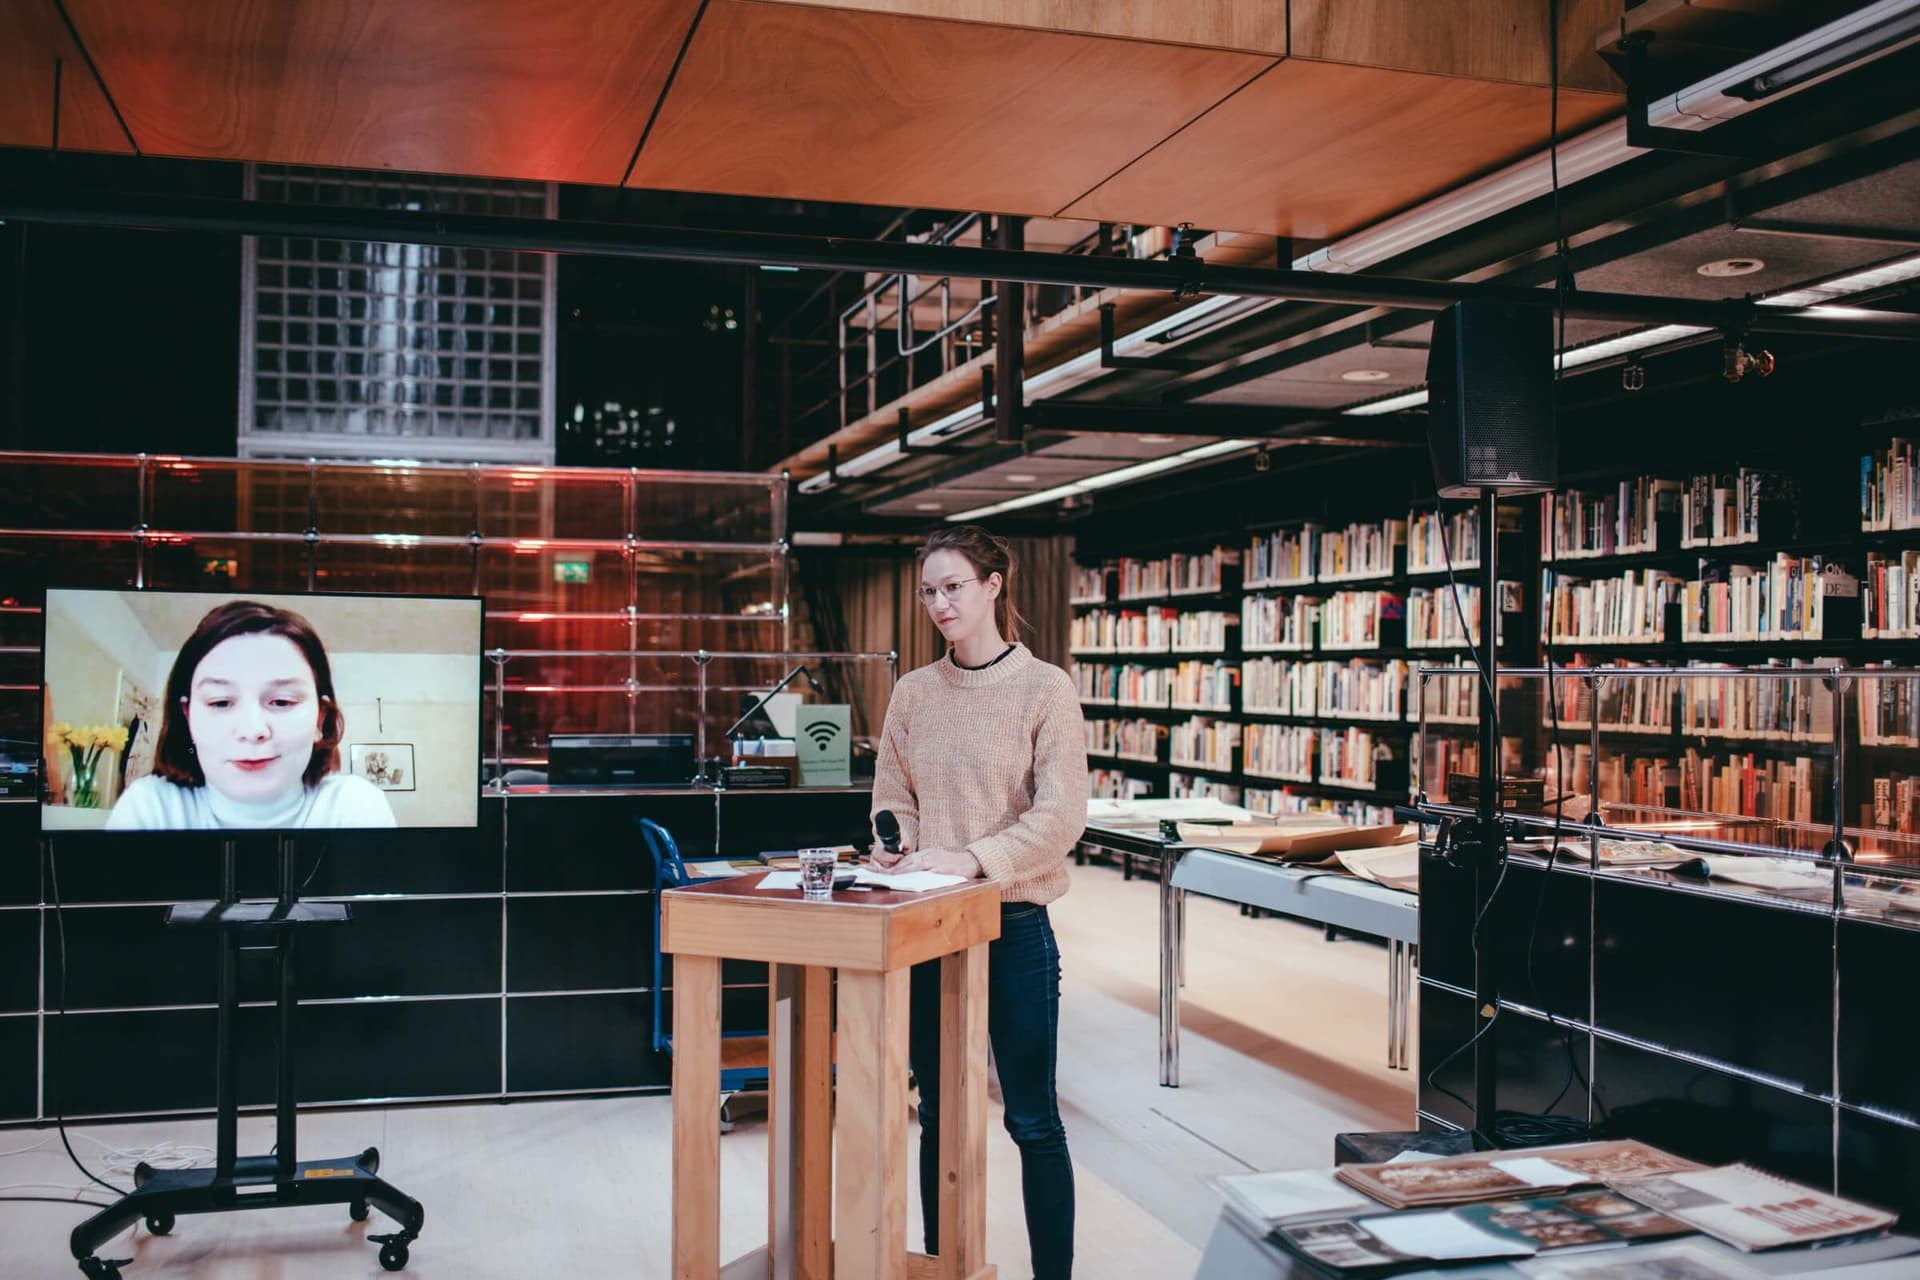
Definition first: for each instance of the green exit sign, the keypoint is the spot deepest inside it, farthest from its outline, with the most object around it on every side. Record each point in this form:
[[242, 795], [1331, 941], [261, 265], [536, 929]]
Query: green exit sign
[[219, 567], [573, 570]]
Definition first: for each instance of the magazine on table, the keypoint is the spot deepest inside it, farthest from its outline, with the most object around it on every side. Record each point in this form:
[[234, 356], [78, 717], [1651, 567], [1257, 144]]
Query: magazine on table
[[1384, 1243], [1501, 1175], [1752, 1210]]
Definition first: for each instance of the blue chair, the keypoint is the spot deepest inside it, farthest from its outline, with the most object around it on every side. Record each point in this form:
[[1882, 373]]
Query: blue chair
[[670, 872]]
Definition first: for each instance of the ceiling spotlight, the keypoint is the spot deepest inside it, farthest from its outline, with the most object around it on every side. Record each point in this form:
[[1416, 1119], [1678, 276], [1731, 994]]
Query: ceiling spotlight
[[926, 506], [1156, 439], [1365, 375], [1731, 267], [1021, 477]]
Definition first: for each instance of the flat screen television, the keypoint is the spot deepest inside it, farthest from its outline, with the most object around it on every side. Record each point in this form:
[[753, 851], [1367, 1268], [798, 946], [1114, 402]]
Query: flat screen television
[[200, 711]]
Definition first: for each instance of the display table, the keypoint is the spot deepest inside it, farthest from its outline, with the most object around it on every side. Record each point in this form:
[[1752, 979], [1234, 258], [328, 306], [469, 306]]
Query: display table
[[1308, 893], [1239, 1250], [873, 938]]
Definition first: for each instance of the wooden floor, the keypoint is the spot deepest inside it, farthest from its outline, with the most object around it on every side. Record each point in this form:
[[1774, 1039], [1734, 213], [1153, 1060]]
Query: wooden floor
[[1285, 1046]]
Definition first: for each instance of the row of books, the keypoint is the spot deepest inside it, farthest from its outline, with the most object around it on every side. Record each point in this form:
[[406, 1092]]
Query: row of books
[[1188, 786], [1725, 510], [1270, 623], [1888, 710], [1622, 520], [1360, 550], [1796, 789], [1279, 802], [1112, 784], [1087, 586], [1352, 619], [1178, 574], [1300, 753], [1434, 614], [1890, 597], [1284, 557], [1126, 685], [1890, 487], [1204, 743], [1629, 608], [1783, 599], [1128, 631], [1896, 804], [1126, 739], [1437, 540], [1713, 703], [1359, 688]]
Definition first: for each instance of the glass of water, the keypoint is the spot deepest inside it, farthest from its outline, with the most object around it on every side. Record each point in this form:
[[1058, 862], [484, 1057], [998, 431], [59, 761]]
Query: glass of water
[[816, 873]]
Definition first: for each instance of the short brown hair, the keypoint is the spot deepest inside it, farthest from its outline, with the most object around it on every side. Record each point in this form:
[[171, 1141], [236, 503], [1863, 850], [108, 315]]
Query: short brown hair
[[988, 555], [173, 756]]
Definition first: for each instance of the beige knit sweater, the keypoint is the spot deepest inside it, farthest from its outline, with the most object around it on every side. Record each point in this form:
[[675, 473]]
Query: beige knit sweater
[[992, 761]]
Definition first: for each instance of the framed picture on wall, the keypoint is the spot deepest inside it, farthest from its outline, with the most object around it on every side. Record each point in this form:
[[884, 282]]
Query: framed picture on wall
[[387, 765]]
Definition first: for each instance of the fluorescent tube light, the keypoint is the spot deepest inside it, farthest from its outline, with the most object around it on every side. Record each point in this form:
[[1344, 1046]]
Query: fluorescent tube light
[[1621, 344], [1868, 280], [1392, 404], [1107, 479]]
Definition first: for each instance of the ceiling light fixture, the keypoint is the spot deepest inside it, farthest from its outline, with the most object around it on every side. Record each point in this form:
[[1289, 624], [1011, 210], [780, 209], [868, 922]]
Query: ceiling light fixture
[[926, 506], [1156, 439], [1107, 479], [1021, 477], [1365, 375], [1731, 267]]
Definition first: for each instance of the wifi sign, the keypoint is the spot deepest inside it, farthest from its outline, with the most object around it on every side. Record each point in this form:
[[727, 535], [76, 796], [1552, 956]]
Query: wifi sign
[[824, 742]]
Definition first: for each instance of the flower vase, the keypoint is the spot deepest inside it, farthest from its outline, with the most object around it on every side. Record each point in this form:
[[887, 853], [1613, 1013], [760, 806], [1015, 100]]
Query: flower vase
[[86, 792]]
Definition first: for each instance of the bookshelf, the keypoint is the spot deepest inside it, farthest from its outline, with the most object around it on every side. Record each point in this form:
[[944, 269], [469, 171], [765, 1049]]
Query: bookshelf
[[1289, 678]]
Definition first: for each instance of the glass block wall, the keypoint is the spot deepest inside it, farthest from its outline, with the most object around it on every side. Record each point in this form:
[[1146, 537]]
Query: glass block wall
[[361, 349]]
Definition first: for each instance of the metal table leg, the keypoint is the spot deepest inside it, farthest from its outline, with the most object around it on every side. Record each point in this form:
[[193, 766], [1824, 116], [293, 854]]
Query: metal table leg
[[1170, 950]]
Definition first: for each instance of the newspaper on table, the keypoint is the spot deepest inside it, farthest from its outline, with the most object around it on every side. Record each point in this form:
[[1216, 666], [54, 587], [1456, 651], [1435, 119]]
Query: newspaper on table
[[1752, 1210]]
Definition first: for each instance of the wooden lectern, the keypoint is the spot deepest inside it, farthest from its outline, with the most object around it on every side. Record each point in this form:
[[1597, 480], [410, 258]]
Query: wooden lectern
[[873, 937]]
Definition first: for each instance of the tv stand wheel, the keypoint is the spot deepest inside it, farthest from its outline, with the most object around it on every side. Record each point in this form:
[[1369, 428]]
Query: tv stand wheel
[[393, 1255], [357, 1211], [160, 1223]]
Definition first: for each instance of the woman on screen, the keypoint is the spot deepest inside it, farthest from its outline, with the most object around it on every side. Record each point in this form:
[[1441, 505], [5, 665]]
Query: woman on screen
[[250, 734]]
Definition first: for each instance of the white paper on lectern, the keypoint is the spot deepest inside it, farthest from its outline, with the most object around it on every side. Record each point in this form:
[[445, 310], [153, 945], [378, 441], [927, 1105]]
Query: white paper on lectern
[[912, 882]]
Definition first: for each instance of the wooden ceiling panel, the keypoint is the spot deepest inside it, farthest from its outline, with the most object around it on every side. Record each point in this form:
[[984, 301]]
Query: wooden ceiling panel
[[32, 38], [558, 91], [825, 104], [1315, 150], [1257, 26]]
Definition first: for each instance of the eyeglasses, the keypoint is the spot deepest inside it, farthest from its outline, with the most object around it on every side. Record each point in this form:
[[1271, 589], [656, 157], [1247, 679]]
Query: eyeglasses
[[950, 590]]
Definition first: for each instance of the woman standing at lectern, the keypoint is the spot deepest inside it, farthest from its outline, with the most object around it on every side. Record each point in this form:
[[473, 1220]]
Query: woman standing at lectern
[[983, 760]]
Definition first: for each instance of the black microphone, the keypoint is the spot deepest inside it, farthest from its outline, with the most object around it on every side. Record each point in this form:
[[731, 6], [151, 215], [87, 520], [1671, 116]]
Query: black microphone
[[887, 827]]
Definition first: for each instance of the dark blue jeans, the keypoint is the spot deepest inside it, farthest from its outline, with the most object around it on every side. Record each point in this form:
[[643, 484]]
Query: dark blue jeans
[[1023, 1025]]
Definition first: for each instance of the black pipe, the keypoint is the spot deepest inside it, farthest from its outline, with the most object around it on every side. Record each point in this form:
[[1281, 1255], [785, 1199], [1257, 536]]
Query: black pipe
[[1490, 848], [1181, 277], [1009, 338]]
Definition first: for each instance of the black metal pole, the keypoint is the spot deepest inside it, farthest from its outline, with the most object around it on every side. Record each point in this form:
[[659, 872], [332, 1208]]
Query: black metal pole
[[1009, 339], [1491, 848], [225, 1093], [1179, 276], [284, 1104]]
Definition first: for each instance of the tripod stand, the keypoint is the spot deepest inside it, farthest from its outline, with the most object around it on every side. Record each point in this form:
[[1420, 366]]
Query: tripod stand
[[253, 1182]]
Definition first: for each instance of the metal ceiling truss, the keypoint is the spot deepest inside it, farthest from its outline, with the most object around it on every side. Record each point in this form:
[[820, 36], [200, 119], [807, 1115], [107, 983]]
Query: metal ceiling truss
[[1173, 276]]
